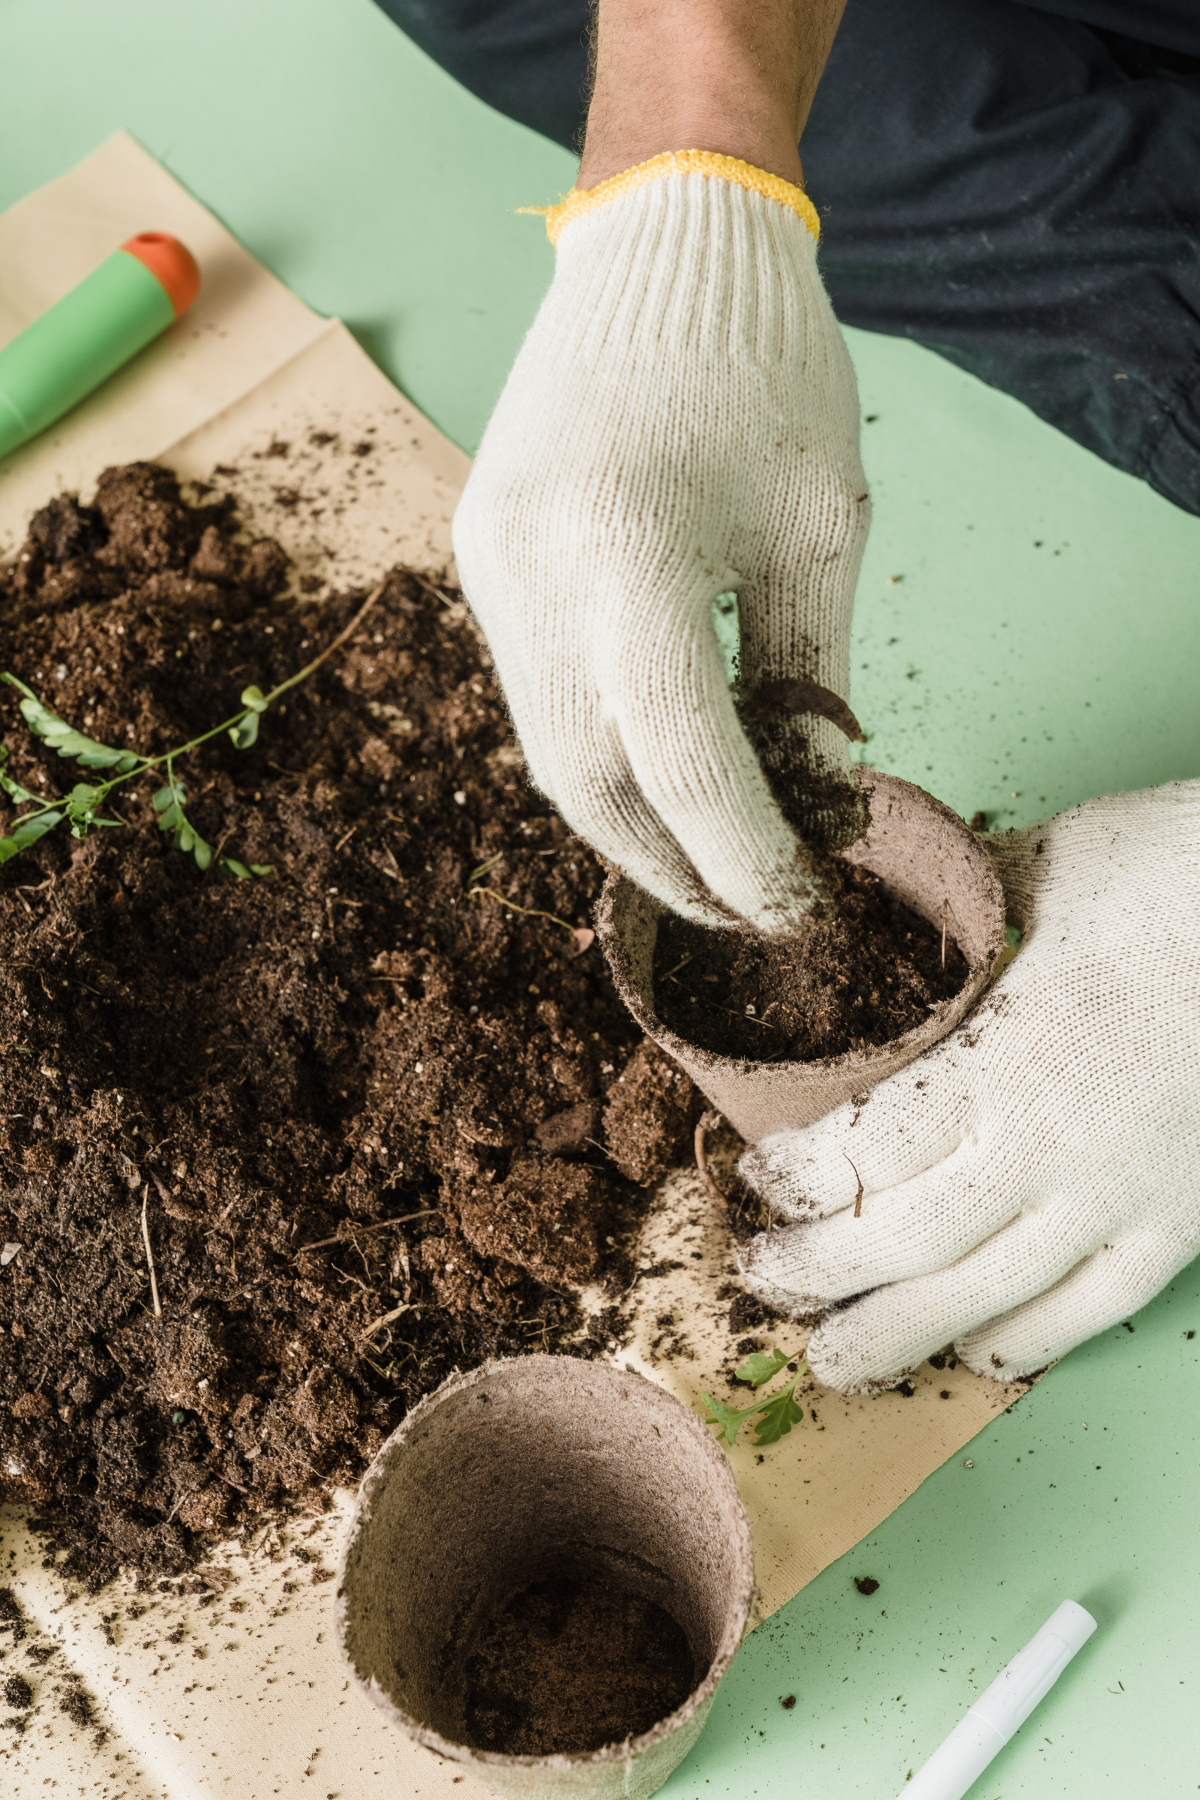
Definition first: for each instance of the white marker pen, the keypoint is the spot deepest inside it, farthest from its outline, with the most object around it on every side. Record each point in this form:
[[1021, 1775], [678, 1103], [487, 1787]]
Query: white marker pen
[[1003, 1708]]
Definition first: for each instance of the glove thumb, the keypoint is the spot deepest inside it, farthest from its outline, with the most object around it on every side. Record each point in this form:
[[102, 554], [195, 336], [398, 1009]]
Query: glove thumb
[[1014, 857]]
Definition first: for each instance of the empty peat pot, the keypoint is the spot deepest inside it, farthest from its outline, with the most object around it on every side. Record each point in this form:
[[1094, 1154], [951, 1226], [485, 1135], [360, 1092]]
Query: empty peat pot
[[546, 1575], [926, 856]]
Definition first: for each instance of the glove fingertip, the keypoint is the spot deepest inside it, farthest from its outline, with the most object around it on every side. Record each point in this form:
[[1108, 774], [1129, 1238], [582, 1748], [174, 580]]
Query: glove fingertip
[[769, 1171], [988, 1362], [835, 1358], [763, 1266]]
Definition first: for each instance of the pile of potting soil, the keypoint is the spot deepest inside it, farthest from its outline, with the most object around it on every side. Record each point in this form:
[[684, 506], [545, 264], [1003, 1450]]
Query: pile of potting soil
[[866, 970], [380, 1110]]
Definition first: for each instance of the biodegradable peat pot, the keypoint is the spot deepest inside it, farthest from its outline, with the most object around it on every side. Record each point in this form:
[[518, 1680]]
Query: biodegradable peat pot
[[926, 856], [522, 1470]]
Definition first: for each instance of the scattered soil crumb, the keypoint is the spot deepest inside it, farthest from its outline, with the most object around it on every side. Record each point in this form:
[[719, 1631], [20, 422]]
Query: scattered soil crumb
[[748, 1312], [17, 1693], [865, 971], [78, 1708], [374, 1112], [572, 1663], [11, 1617]]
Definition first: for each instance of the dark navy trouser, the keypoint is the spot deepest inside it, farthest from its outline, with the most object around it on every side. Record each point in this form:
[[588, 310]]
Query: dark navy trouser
[[1014, 183]]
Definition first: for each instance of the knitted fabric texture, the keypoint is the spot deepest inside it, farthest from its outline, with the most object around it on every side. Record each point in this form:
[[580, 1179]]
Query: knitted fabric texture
[[680, 162], [681, 422], [1035, 1178]]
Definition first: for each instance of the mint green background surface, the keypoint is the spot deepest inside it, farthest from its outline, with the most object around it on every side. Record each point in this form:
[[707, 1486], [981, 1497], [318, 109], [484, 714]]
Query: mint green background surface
[[1041, 645]]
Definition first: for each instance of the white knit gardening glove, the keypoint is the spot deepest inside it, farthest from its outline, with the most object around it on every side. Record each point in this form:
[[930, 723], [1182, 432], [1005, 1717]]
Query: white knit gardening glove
[[1035, 1178], [682, 421]]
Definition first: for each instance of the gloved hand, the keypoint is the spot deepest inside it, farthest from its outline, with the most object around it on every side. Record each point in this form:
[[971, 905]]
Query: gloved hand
[[1035, 1178], [681, 422]]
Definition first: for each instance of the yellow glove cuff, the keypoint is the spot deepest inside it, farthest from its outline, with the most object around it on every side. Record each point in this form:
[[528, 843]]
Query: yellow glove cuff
[[680, 162]]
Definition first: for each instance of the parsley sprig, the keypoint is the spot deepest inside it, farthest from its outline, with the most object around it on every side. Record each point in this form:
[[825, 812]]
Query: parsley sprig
[[775, 1413], [82, 807]]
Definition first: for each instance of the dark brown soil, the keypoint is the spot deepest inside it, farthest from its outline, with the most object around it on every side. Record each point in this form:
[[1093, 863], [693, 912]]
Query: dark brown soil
[[383, 1115], [11, 1617], [78, 1708], [866, 971], [17, 1693], [572, 1663]]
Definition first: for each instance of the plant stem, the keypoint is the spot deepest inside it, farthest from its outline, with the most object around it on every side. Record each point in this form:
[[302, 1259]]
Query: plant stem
[[531, 912], [151, 762], [145, 763], [150, 1260]]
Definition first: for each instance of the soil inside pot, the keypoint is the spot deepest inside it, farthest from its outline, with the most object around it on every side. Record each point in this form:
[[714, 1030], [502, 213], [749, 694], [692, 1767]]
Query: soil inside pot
[[571, 1663], [383, 1108], [866, 970]]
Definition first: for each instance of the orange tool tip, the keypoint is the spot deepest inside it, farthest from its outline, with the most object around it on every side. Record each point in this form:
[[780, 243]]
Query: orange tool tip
[[171, 263]]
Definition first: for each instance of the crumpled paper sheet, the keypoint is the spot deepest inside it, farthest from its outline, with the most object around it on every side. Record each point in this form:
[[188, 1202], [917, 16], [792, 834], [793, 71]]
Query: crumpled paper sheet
[[834, 1479], [246, 1696], [366, 479]]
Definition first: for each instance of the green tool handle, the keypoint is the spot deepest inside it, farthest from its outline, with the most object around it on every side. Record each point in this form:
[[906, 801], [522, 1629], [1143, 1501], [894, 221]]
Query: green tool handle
[[79, 342]]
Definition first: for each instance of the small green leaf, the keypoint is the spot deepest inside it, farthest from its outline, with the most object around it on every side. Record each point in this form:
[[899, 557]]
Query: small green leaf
[[168, 804], [245, 732], [728, 1418], [81, 806], [91, 754], [64, 738], [200, 850], [27, 831], [82, 802], [758, 1368], [12, 788], [187, 838], [244, 871], [485, 868], [778, 1416], [253, 698]]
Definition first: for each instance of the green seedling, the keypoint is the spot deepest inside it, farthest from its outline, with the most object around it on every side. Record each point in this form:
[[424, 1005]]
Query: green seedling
[[83, 807], [775, 1413], [485, 868]]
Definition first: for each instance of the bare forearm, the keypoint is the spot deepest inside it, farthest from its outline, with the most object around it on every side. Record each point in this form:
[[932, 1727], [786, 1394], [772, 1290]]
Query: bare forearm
[[734, 76]]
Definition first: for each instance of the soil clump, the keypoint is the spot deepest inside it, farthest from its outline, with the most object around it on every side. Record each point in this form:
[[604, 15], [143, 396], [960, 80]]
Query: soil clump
[[572, 1663], [865, 971], [17, 1693], [382, 1107]]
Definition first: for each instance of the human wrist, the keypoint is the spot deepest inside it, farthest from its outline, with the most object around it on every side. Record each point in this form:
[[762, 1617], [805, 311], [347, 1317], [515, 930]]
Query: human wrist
[[709, 75], [761, 138]]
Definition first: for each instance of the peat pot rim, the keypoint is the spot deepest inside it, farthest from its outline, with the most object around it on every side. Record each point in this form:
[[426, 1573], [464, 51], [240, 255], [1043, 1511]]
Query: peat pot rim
[[940, 1020], [627, 1749]]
